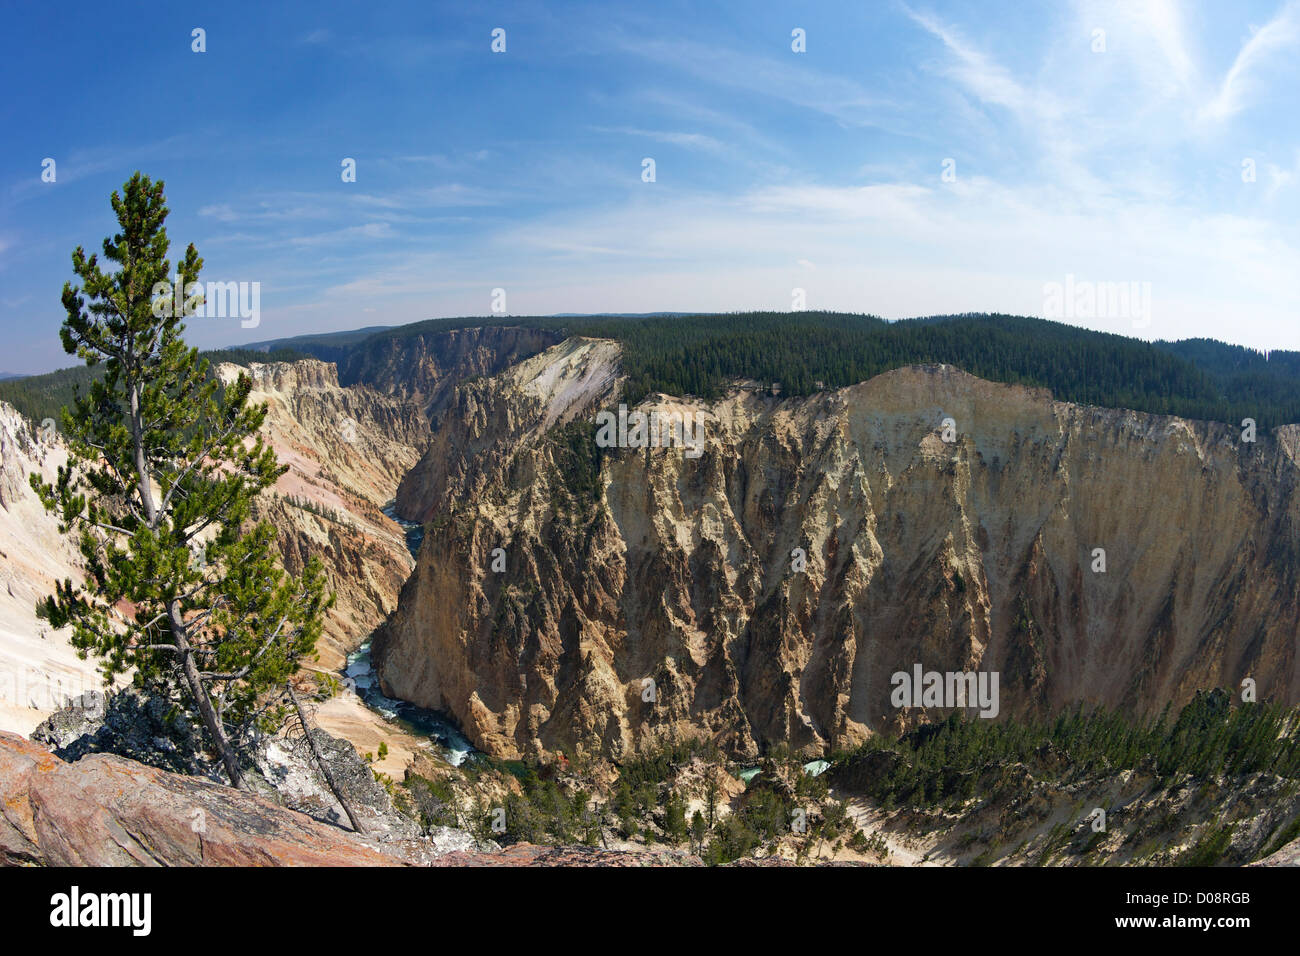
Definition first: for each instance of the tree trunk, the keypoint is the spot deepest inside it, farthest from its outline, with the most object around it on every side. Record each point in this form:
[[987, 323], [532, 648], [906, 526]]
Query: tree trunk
[[357, 826], [208, 713], [176, 621], [141, 466]]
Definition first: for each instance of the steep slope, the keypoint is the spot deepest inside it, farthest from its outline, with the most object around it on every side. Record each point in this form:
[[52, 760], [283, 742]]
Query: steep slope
[[624, 566], [488, 418], [346, 449], [425, 364], [39, 670]]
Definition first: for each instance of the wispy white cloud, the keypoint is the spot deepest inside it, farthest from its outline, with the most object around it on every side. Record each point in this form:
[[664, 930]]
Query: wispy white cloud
[[697, 141], [986, 79], [369, 230], [284, 208], [1278, 34], [843, 99], [681, 108], [428, 197], [87, 162]]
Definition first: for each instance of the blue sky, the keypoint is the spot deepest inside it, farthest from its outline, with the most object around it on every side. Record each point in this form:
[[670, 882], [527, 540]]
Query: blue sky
[[774, 170]]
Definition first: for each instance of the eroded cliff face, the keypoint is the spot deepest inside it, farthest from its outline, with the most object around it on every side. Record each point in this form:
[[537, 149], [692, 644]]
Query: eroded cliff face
[[624, 566], [346, 449], [485, 419], [426, 366], [39, 670]]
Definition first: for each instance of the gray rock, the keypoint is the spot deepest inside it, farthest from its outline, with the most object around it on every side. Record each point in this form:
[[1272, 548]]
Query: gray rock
[[133, 723], [152, 730], [287, 767]]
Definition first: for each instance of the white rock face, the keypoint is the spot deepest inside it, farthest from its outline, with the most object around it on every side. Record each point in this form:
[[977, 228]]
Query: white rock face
[[39, 670]]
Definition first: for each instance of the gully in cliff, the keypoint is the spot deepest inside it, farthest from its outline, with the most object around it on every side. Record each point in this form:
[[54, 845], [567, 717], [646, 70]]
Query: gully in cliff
[[656, 430], [951, 689]]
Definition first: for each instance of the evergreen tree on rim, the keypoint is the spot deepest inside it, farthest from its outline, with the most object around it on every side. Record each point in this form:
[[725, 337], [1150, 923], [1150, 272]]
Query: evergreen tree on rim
[[164, 465]]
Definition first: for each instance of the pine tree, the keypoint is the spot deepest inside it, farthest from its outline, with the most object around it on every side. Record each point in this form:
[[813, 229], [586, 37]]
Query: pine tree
[[675, 818], [698, 829], [163, 466]]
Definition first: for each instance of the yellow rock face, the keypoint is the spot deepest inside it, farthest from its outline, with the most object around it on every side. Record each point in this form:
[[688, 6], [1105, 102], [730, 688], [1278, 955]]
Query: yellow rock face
[[942, 520]]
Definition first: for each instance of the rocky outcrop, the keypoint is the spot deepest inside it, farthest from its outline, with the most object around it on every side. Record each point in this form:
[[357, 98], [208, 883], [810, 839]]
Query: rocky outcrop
[[529, 854], [150, 729], [1289, 855], [767, 590], [146, 728], [108, 811], [285, 763]]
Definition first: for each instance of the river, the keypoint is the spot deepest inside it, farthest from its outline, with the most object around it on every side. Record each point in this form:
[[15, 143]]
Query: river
[[419, 721]]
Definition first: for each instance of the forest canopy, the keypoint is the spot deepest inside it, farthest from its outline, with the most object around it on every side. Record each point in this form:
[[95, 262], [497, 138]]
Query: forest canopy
[[703, 355]]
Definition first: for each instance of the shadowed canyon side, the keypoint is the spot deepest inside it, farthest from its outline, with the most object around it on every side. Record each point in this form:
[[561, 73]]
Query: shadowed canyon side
[[623, 566], [425, 365]]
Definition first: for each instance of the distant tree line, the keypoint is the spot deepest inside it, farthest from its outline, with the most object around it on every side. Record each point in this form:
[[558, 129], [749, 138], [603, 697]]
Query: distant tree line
[[43, 396], [703, 355]]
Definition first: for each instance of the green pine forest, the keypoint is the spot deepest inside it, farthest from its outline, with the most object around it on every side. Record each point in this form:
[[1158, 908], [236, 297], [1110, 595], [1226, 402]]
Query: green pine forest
[[39, 397], [703, 354], [1208, 739]]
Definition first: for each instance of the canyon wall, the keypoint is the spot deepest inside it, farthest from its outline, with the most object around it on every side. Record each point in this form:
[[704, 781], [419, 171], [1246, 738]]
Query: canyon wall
[[643, 593], [39, 670], [426, 365], [346, 449]]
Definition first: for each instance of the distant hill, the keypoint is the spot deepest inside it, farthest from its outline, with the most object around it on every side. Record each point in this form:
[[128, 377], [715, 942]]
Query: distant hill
[[327, 346], [42, 396], [700, 354]]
